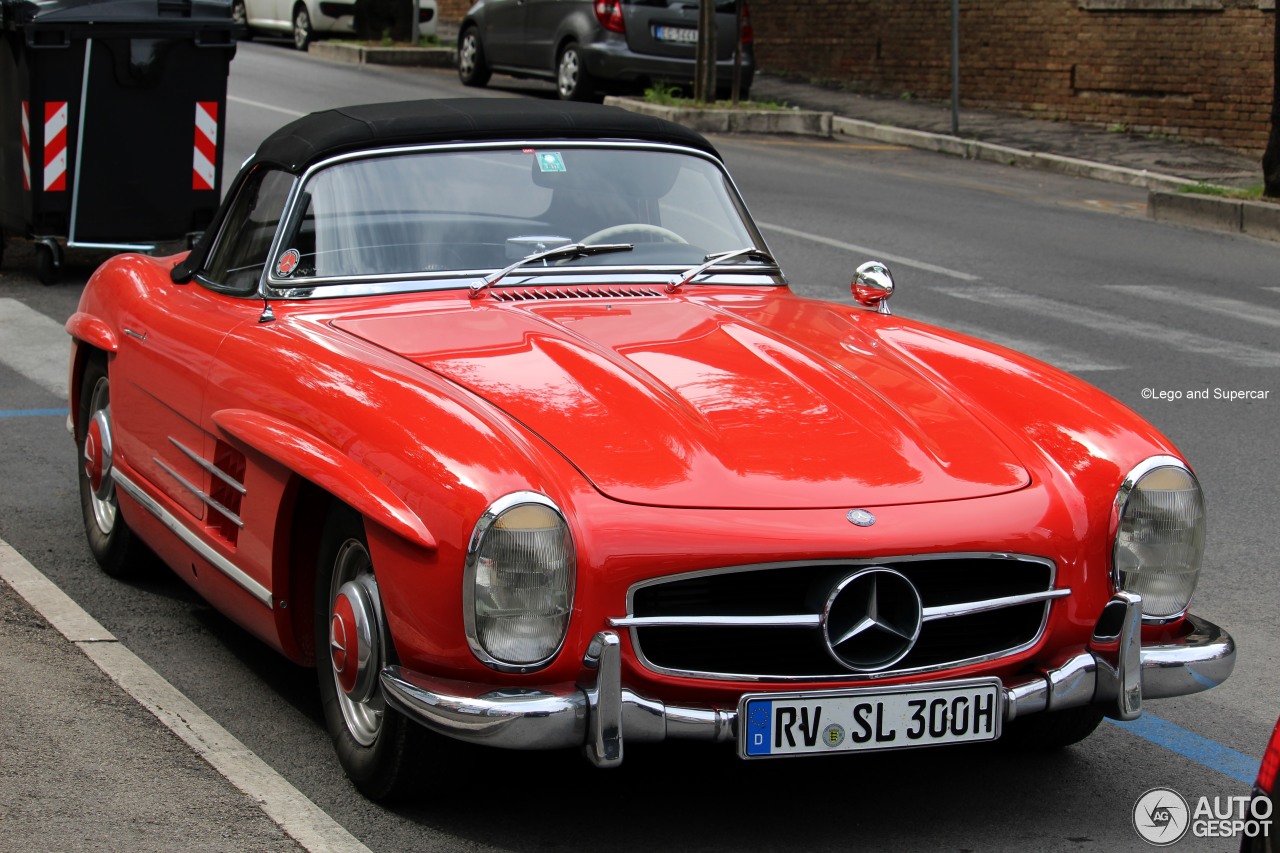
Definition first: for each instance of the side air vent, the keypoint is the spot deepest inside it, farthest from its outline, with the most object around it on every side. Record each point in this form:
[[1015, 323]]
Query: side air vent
[[529, 294]]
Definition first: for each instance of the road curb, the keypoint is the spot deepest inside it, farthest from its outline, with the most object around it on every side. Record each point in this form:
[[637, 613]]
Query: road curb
[[972, 149], [713, 120], [1240, 216], [359, 54]]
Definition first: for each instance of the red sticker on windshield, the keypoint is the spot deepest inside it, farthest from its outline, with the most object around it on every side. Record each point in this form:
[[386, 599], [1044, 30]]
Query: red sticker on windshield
[[287, 263]]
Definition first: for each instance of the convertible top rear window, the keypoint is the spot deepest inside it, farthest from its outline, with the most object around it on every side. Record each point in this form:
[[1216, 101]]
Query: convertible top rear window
[[439, 212]]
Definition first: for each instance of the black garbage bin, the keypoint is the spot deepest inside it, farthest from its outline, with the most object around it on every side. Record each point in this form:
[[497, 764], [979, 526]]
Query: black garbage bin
[[112, 119]]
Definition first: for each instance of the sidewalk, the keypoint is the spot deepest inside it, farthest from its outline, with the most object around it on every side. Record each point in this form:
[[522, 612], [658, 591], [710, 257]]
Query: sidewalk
[[1164, 167], [97, 752], [1162, 157]]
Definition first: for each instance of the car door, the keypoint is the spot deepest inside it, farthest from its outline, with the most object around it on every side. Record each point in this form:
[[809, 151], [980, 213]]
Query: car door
[[544, 22], [502, 32], [170, 340]]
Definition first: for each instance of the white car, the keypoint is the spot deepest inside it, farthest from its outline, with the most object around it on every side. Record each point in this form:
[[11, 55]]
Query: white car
[[306, 20]]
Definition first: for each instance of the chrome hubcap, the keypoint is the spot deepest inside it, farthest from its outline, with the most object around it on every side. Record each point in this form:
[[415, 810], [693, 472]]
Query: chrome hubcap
[[97, 458], [568, 72], [467, 56], [356, 645], [301, 28]]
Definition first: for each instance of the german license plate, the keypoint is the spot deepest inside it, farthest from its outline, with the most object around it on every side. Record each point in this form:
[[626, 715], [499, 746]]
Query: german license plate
[[780, 724], [680, 35]]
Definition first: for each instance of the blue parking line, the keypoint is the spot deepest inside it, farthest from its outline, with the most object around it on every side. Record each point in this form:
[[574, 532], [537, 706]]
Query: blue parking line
[[32, 413], [1201, 750]]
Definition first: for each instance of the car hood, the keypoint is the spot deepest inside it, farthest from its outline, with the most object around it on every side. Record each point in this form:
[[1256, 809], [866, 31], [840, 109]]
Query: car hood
[[702, 402]]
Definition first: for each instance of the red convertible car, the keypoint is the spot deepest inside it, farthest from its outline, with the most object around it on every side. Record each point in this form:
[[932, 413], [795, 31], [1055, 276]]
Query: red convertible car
[[501, 415]]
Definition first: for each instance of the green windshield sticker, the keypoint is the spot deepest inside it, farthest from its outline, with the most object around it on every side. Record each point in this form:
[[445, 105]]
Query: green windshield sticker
[[551, 161]]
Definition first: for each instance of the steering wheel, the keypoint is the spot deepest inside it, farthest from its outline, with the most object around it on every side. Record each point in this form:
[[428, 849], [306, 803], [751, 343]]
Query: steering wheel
[[614, 231]]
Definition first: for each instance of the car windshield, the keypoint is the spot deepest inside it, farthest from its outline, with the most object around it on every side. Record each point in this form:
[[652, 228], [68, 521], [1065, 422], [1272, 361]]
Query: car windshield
[[442, 213]]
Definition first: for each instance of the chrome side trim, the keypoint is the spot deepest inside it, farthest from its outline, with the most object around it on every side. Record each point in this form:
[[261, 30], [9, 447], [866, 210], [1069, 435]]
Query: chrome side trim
[[627, 621], [209, 466], [198, 492], [191, 540]]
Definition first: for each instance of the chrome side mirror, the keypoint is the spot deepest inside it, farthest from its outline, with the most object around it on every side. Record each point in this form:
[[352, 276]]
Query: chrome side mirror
[[872, 286]]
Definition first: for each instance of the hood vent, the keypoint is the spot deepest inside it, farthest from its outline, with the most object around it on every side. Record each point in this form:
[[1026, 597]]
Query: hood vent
[[527, 294]]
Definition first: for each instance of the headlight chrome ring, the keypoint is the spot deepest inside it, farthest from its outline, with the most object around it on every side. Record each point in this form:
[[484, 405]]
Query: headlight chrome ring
[[518, 583], [1159, 532]]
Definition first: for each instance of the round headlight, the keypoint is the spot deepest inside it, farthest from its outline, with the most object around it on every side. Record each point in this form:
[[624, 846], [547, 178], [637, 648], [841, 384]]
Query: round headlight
[[519, 584], [1160, 536]]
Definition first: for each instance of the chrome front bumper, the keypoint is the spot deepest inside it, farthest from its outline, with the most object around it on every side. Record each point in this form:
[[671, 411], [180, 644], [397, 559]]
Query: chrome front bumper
[[1116, 672]]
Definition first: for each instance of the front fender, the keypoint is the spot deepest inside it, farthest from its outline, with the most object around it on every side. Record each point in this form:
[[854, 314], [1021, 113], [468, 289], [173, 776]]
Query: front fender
[[318, 462]]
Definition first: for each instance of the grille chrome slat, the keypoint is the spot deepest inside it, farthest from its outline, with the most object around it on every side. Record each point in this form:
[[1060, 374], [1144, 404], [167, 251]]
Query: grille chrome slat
[[764, 622]]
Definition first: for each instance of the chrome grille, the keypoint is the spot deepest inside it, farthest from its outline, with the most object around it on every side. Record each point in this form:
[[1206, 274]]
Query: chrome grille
[[765, 622]]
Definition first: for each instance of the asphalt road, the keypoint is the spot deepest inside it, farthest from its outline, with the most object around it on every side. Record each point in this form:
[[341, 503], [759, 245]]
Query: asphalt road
[[1065, 269]]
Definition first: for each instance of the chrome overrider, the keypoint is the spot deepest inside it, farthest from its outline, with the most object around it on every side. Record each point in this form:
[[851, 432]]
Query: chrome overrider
[[1115, 672]]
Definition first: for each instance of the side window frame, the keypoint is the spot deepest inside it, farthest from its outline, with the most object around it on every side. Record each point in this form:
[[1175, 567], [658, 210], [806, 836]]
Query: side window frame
[[239, 226]]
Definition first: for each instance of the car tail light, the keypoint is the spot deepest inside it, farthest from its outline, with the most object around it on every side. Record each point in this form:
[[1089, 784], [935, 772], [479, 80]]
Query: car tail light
[[746, 33], [1270, 762], [609, 12]]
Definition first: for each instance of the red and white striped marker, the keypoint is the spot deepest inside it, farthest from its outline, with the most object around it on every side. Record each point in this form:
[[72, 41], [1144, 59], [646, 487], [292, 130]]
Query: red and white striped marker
[[26, 145], [55, 146], [203, 171]]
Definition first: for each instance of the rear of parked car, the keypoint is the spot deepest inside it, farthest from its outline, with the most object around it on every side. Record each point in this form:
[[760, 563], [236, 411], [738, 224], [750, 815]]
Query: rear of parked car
[[589, 47]]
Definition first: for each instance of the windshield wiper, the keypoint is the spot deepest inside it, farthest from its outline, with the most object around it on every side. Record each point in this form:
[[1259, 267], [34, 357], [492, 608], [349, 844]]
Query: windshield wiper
[[715, 260], [571, 250]]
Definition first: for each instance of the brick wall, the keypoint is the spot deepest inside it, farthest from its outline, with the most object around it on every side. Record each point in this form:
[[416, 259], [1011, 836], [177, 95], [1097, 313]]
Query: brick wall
[[1193, 69], [452, 11]]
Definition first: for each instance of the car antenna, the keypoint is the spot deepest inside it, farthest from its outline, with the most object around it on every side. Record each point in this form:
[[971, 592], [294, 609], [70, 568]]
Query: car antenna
[[267, 315]]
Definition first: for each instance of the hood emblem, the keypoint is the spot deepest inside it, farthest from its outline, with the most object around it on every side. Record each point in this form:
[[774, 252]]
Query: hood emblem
[[860, 517], [872, 619]]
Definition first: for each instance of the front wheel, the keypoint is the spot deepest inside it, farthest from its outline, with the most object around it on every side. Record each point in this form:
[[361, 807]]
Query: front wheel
[[118, 551], [302, 31], [573, 80], [373, 741]]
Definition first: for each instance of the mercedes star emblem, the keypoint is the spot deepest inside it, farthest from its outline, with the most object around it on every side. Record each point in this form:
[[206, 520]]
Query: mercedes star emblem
[[872, 619], [860, 517]]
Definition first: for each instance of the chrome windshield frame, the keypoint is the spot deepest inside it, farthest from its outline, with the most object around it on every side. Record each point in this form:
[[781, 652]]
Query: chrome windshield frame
[[272, 287]]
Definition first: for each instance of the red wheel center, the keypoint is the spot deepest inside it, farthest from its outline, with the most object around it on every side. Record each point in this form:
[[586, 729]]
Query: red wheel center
[[344, 650], [93, 455]]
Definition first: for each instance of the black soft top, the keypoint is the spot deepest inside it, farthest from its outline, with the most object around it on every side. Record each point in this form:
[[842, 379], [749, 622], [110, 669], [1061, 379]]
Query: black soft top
[[338, 131]]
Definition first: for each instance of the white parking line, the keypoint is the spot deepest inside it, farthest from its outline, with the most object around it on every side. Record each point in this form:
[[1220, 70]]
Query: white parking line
[[24, 346], [1061, 357], [868, 253], [300, 818], [262, 106], [1237, 309], [1122, 327]]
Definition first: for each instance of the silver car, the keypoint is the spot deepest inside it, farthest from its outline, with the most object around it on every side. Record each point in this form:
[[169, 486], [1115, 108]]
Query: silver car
[[591, 46], [305, 20]]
